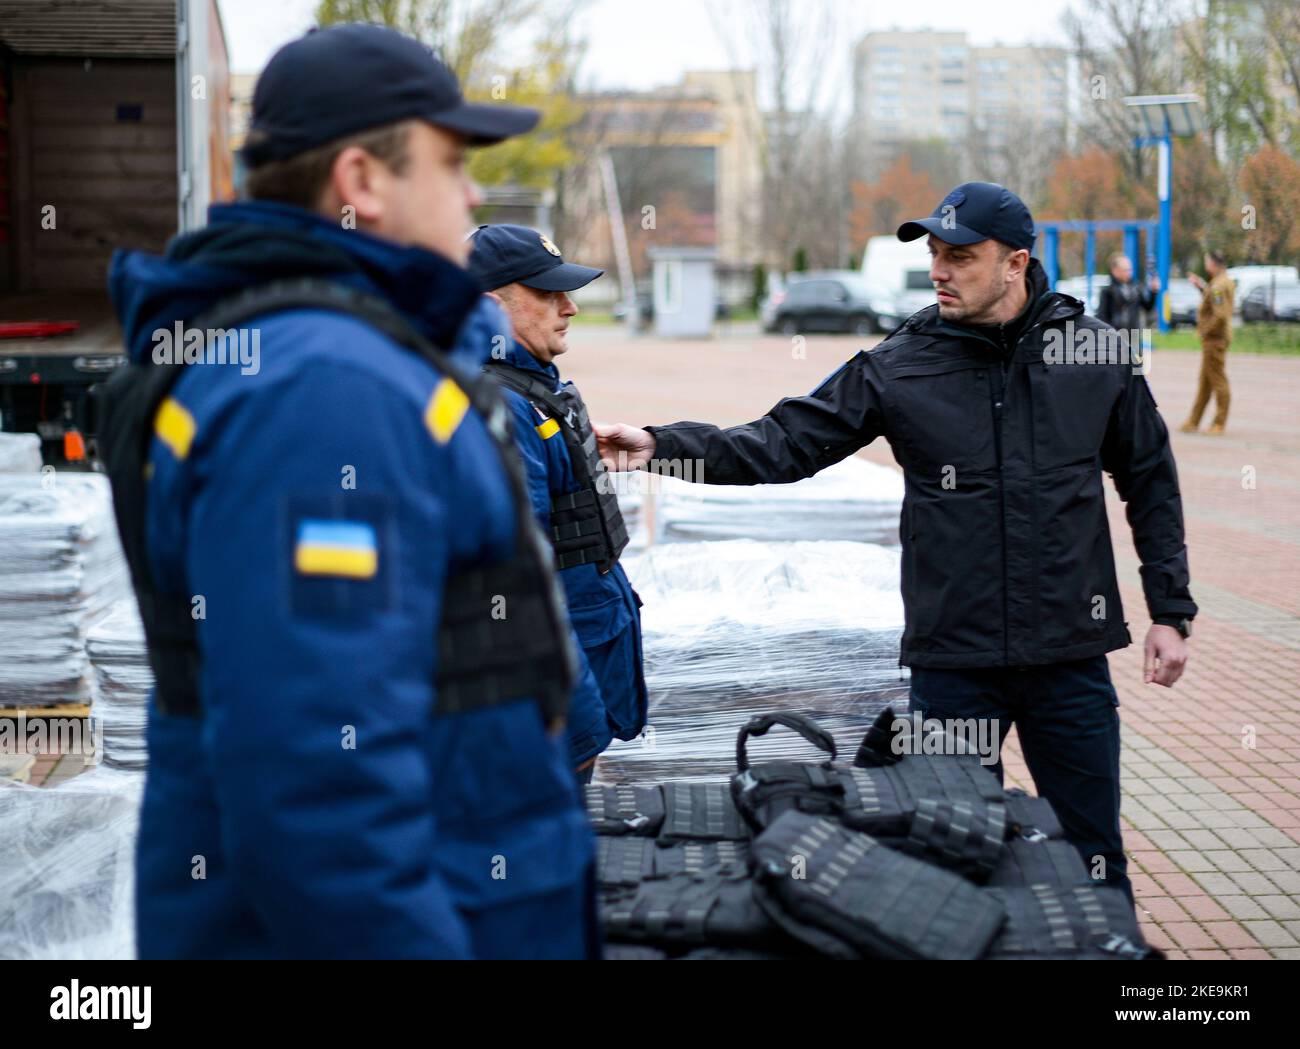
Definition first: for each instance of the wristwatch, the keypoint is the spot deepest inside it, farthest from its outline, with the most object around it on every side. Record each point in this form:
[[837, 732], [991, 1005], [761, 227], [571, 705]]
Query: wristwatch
[[1182, 624]]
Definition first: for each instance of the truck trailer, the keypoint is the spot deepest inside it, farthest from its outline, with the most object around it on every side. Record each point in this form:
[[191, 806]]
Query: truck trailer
[[114, 127]]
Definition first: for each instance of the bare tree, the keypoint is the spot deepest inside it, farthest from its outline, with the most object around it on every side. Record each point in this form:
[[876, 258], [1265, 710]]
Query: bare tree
[[1124, 47]]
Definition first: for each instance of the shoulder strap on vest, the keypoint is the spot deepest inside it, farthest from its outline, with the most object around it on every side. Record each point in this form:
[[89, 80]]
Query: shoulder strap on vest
[[587, 526], [473, 671]]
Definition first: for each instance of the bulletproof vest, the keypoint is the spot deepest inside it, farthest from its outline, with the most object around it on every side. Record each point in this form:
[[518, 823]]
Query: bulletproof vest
[[1031, 817], [587, 525], [683, 911], [1028, 862], [846, 895], [968, 837], [1080, 921], [627, 862], [671, 812], [882, 801], [481, 662], [625, 809]]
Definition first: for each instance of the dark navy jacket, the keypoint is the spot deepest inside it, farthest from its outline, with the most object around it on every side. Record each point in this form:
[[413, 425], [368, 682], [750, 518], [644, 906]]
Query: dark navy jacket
[[610, 700], [320, 808]]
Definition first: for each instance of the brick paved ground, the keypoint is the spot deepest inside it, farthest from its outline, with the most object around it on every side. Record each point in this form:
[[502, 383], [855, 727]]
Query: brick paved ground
[[1212, 767]]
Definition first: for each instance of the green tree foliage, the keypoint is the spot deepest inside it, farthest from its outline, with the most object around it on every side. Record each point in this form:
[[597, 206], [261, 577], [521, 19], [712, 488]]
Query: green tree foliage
[[469, 36]]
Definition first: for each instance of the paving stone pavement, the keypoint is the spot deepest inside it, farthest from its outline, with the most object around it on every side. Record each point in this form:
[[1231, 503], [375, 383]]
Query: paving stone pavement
[[1211, 767]]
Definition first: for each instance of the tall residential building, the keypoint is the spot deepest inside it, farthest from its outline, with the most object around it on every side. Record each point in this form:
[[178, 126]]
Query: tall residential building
[[932, 85]]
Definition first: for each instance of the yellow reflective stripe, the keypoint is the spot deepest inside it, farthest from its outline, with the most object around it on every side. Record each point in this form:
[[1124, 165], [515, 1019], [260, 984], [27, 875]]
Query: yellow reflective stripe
[[175, 427], [447, 407], [336, 561], [548, 429]]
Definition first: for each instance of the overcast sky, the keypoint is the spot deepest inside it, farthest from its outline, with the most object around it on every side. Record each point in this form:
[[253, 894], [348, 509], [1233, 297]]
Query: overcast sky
[[644, 43]]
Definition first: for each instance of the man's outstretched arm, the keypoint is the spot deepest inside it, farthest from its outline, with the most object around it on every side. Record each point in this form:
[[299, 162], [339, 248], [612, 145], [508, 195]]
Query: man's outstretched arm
[[798, 437]]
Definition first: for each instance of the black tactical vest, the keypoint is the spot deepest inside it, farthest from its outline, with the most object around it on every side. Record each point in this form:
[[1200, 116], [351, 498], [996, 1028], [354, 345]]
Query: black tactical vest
[[482, 661], [586, 526]]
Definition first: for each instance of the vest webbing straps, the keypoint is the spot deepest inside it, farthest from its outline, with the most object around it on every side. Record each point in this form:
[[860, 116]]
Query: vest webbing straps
[[483, 661]]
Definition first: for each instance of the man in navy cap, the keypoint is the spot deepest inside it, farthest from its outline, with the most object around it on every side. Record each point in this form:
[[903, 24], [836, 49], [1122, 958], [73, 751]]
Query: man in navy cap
[[1003, 432], [572, 493], [363, 668]]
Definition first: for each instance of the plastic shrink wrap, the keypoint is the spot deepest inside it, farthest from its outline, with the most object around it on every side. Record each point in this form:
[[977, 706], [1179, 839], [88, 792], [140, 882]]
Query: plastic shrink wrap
[[67, 866], [61, 567], [738, 627], [123, 680], [20, 453], [852, 500]]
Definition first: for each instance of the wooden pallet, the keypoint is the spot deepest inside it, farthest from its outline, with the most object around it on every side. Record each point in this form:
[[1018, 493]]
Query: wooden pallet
[[54, 710]]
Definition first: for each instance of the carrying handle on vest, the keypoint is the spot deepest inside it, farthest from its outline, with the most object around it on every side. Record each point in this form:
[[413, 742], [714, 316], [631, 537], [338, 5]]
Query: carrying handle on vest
[[806, 727]]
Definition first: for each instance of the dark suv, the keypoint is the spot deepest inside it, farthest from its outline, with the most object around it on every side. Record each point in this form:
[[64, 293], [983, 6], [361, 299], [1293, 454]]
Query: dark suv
[[834, 302], [1279, 302]]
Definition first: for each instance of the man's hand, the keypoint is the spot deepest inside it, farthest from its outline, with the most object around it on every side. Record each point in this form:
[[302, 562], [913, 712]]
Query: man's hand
[[1155, 284], [624, 447], [1197, 280], [1165, 655]]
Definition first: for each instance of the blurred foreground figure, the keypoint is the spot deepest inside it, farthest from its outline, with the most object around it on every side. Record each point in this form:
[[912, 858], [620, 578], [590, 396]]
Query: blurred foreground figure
[[363, 667]]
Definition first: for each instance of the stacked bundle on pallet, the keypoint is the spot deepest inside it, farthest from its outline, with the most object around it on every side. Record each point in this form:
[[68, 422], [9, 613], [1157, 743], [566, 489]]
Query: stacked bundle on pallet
[[852, 500], [123, 679], [907, 853], [20, 453], [67, 881], [737, 626], [61, 567]]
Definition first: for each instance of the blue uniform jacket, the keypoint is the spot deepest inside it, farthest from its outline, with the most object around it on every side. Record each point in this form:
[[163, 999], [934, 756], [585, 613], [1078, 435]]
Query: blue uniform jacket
[[610, 700], [316, 504]]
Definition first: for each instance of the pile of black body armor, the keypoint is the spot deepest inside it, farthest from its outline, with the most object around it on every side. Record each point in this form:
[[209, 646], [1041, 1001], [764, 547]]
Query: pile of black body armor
[[913, 851]]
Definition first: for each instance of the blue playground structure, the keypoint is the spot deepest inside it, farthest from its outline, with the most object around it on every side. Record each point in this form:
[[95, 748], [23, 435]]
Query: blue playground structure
[[1157, 119]]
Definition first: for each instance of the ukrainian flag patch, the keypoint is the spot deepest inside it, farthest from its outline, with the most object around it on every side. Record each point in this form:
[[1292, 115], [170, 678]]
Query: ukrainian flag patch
[[547, 429], [342, 549]]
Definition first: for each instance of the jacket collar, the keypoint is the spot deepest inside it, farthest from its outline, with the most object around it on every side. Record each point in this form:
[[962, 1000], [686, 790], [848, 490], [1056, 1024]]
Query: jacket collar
[[517, 354], [247, 243]]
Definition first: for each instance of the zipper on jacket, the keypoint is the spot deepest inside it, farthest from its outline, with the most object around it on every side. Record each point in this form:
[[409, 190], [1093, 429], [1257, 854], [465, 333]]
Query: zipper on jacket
[[997, 397]]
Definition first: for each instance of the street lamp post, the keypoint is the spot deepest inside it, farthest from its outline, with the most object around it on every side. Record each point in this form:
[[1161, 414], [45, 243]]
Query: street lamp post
[[1158, 119]]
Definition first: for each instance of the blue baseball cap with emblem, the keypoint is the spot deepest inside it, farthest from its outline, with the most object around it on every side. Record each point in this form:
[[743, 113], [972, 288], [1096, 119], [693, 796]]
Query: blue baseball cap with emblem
[[349, 78], [973, 212], [518, 255]]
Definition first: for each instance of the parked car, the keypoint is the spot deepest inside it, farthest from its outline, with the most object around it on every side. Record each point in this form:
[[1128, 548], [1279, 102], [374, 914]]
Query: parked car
[[1184, 301], [833, 301], [1278, 302], [1248, 278], [1078, 288]]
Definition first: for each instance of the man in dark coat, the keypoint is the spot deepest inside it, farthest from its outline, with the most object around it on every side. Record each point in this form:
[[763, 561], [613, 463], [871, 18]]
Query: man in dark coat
[[1003, 409], [1124, 300]]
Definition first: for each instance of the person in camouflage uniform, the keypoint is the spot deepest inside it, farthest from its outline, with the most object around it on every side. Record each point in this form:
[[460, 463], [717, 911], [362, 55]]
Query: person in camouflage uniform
[[1214, 326]]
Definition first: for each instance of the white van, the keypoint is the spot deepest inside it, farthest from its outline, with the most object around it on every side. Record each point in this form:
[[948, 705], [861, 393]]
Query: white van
[[902, 270], [1248, 278]]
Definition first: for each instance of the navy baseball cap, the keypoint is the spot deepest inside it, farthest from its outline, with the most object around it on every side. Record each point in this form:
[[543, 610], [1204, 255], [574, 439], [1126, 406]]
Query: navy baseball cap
[[518, 255], [973, 212], [347, 78]]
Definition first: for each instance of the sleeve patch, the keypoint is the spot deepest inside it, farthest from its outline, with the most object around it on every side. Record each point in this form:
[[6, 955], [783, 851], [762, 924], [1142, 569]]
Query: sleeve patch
[[343, 549], [446, 410], [175, 427], [547, 429]]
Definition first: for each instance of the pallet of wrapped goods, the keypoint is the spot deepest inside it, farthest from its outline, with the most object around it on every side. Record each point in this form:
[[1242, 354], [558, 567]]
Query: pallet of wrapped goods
[[61, 567], [853, 500], [123, 681], [739, 626]]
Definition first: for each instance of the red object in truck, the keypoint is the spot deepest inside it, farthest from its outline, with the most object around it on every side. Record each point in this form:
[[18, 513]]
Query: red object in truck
[[36, 329]]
